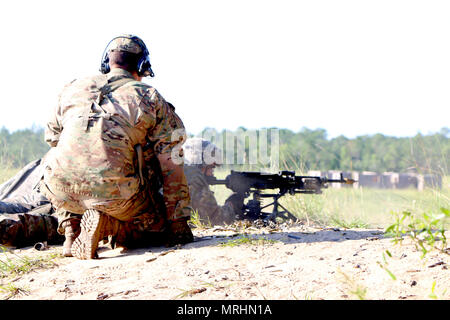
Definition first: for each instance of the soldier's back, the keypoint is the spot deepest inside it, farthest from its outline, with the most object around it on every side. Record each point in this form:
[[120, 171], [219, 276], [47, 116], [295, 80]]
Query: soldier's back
[[103, 119]]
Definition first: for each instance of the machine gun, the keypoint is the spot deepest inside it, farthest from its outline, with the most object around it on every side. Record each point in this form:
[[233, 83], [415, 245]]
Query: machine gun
[[246, 183]]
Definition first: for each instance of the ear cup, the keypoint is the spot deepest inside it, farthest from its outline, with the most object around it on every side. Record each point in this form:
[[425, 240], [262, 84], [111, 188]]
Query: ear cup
[[104, 65], [143, 67], [104, 68]]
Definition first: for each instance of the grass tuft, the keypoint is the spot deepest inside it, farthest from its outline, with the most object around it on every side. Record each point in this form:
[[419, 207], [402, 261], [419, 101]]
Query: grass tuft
[[247, 240], [352, 286], [12, 264], [196, 222], [11, 290]]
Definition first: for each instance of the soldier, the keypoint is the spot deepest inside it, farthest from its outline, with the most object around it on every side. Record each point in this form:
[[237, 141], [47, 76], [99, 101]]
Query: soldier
[[201, 157], [28, 216], [112, 138], [25, 214], [28, 227]]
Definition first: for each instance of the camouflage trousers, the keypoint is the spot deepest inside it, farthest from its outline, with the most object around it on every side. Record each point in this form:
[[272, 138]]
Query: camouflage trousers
[[144, 223], [142, 217], [144, 230], [25, 229]]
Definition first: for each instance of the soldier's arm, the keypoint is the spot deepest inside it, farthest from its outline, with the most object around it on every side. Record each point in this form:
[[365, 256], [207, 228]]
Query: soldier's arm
[[175, 189], [209, 210], [54, 127], [52, 131], [168, 136], [205, 203]]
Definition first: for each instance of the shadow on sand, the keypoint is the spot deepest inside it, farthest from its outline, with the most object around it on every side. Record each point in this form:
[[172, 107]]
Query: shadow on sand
[[325, 235]]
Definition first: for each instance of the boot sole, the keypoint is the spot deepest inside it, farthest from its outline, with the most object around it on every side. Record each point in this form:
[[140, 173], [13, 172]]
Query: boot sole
[[85, 245], [67, 252]]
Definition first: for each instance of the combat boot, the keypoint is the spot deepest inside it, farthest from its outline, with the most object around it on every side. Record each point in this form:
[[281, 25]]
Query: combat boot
[[11, 230], [144, 230], [179, 232], [71, 232], [95, 226]]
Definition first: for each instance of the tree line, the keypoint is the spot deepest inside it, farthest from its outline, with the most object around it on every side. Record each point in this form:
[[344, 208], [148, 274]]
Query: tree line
[[310, 149], [21, 147], [304, 150]]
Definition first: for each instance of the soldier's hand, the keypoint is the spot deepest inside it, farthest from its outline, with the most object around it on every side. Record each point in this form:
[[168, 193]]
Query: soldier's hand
[[199, 182], [179, 232], [237, 201]]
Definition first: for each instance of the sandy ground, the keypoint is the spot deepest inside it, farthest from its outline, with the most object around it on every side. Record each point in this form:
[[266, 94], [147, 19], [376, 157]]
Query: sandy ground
[[293, 262]]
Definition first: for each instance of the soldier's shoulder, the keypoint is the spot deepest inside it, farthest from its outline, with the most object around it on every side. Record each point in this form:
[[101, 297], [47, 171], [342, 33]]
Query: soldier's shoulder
[[140, 88], [91, 83], [85, 83]]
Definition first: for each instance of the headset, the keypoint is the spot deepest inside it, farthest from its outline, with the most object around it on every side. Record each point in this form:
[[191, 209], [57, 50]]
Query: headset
[[144, 68]]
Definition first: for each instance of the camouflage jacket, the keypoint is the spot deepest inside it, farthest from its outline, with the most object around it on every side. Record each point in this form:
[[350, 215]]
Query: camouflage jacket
[[94, 133], [203, 200]]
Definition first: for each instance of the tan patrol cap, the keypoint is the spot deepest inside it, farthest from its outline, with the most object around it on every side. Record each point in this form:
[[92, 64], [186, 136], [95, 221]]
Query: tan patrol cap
[[125, 43]]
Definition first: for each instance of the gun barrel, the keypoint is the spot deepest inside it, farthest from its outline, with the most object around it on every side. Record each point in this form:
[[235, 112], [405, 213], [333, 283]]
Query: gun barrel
[[342, 180]]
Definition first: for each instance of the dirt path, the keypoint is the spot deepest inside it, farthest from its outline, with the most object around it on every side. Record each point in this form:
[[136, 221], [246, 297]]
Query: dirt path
[[295, 262]]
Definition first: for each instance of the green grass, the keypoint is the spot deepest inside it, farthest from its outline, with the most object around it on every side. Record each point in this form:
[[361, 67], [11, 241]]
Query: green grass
[[352, 286], [197, 222], [426, 230], [12, 264], [12, 290], [247, 240], [364, 207]]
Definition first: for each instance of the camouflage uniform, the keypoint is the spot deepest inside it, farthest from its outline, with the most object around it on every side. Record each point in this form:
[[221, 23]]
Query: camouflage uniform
[[111, 137], [199, 153], [27, 217], [203, 200], [27, 228], [25, 214], [96, 166]]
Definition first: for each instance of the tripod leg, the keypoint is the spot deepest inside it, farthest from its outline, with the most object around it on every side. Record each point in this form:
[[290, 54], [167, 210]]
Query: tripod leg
[[275, 213], [272, 216], [290, 215]]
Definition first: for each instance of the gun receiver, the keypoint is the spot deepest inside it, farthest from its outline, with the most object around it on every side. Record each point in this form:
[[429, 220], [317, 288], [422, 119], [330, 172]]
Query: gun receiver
[[245, 183]]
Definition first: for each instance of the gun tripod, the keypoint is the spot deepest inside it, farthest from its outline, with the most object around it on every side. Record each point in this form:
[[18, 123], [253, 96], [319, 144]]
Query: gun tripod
[[253, 209]]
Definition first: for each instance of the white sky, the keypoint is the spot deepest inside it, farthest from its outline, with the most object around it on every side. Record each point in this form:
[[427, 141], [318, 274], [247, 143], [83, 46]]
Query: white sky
[[350, 67]]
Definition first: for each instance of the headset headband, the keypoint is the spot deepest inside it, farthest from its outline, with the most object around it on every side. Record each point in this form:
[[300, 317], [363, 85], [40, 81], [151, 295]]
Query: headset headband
[[143, 66]]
